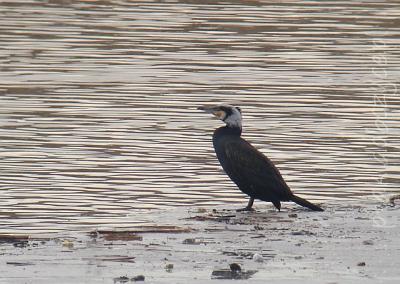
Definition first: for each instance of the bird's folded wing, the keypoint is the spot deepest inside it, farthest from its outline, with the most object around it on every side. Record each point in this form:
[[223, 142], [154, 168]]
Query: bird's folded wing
[[252, 167]]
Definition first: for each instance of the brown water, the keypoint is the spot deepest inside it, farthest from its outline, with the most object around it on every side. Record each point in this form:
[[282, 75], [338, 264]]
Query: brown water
[[98, 118]]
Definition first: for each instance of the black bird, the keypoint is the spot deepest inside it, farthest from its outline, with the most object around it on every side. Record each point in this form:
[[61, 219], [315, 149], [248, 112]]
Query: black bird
[[249, 169]]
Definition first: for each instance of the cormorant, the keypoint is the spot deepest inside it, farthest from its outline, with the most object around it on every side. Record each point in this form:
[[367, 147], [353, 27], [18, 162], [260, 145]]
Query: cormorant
[[249, 169]]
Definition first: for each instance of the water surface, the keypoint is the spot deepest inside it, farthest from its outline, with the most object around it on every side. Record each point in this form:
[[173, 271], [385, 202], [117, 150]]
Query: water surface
[[98, 119]]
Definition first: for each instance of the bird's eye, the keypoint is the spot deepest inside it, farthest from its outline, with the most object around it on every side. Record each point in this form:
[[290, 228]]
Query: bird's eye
[[239, 109]]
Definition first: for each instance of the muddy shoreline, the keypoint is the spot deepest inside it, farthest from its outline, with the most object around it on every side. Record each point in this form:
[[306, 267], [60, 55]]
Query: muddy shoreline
[[348, 243]]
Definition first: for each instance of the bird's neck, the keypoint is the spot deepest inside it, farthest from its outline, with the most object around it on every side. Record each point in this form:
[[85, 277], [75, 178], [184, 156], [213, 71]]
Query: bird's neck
[[233, 121], [230, 130]]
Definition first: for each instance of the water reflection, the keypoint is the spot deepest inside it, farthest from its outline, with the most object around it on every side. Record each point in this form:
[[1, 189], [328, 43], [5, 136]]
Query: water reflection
[[98, 103]]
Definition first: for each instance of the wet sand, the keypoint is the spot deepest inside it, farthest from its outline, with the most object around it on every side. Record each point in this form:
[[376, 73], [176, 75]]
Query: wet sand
[[348, 243]]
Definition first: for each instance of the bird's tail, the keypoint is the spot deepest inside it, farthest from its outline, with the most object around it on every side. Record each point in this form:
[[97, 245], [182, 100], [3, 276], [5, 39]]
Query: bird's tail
[[305, 203]]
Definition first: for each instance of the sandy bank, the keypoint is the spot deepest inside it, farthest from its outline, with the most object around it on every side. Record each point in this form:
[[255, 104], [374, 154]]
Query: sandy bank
[[348, 243]]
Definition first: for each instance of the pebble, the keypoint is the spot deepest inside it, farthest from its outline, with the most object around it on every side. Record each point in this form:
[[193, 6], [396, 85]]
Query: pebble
[[122, 279], [68, 244], [258, 257], [189, 241], [138, 278], [235, 267], [169, 267]]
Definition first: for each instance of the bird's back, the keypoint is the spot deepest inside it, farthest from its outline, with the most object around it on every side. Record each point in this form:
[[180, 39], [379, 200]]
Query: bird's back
[[252, 171]]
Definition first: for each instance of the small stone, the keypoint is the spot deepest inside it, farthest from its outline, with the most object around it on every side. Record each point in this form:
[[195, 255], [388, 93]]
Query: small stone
[[235, 267], [393, 198], [68, 244], [362, 263], [122, 279], [303, 233], [368, 242], [169, 267], [138, 278], [292, 215], [298, 257], [22, 244], [258, 257], [189, 241]]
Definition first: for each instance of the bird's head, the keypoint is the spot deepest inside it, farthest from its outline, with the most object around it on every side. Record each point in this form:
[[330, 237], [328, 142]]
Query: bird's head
[[231, 115]]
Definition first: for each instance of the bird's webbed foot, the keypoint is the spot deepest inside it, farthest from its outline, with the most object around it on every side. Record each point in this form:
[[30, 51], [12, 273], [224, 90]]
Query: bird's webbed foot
[[249, 209]]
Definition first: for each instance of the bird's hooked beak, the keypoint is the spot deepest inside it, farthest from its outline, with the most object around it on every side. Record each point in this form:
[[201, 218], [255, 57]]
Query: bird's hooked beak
[[216, 111]]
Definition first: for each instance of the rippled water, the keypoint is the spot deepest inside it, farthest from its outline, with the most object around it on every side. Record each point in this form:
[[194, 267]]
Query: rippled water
[[98, 103]]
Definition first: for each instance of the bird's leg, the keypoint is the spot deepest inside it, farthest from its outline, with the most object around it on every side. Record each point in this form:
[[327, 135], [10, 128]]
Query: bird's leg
[[248, 207]]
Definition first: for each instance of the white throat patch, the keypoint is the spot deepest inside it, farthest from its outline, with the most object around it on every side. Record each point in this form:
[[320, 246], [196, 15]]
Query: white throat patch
[[235, 119]]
